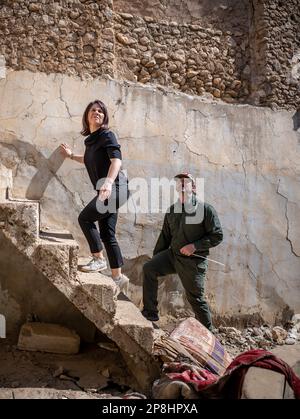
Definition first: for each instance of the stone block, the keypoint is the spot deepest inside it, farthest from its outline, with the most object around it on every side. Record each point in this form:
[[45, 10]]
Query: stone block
[[20, 222], [46, 337]]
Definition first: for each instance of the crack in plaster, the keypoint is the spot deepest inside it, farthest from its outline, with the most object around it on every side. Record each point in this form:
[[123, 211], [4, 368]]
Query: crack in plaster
[[265, 256], [287, 220]]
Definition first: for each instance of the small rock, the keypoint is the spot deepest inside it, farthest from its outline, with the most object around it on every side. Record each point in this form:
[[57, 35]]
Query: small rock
[[58, 372], [126, 16], [66, 378], [279, 334], [178, 57], [296, 319], [108, 346], [34, 7], [124, 39], [290, 341], [236, 84], [172, 67], [145, 41], [217, 93], [160, 57], [150, 63], [105, 373], [268, 334], [217, 81], [191, 73]]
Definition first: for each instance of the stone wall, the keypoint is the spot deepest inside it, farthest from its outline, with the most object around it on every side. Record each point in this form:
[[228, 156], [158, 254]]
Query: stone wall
[[248, 156], [225, 15], [275, 43], [87, 38], [66, 36], [199, 47], [186, 57]]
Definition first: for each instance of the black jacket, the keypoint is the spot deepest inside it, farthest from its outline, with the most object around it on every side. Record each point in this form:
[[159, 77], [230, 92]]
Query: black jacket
[[101, 146]]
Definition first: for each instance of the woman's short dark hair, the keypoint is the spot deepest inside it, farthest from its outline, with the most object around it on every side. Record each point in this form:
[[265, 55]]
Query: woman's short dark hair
[[85, 125]]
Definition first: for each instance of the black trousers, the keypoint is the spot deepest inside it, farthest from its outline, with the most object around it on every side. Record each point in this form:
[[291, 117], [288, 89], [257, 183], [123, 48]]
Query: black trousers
[[106, 214], [192, 273]]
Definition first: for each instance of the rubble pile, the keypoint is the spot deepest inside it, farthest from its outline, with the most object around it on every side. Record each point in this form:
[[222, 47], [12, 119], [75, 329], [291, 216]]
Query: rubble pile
[[264, 337]]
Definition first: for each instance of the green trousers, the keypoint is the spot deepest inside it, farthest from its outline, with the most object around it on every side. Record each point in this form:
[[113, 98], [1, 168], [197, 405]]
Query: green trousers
[[191, 271]]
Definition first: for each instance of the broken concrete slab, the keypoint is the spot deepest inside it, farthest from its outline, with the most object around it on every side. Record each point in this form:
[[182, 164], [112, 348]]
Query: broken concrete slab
[[261, 383], [6, 393], [48, 337], [50, 393], [290, 355], [129, 319]]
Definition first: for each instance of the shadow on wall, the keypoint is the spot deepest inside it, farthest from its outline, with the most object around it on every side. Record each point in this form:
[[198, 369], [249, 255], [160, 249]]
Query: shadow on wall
[[46, 167], [296, 120]]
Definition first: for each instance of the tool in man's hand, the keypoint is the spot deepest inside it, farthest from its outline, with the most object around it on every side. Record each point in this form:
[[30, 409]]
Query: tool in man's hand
[[211, 260]]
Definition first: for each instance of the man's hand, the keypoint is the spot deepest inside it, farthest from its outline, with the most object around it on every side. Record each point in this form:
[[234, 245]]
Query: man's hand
[[105, 191], [188, 250]]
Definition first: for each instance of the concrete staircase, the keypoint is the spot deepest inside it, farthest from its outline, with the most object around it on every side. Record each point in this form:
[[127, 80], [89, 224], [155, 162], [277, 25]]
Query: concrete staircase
[[55, 254]]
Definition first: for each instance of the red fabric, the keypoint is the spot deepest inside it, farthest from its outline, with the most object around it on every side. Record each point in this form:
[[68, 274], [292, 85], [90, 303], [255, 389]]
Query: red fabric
[[231, 383], [262, 359], [200, 378]]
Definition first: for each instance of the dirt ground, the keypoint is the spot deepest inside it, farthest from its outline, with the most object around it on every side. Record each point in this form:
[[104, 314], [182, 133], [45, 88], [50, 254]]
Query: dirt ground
[[93, 373]]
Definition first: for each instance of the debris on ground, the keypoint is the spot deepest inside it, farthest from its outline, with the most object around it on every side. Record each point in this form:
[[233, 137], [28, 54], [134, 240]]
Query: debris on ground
[[208, 373], [94, 373], [191, 360], [265, 337]]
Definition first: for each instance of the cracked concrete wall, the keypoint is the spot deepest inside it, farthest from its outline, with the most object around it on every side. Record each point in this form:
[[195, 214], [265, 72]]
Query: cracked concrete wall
[[248, 156]]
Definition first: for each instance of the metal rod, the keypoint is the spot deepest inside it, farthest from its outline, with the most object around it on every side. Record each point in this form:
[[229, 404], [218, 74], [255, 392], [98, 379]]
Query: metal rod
[[211, 260]]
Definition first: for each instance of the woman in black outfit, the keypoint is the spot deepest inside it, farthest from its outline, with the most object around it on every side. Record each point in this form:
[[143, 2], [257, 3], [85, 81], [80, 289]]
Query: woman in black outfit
[[103, 160]]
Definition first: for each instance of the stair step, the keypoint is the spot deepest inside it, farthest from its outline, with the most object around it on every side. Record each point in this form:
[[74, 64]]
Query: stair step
[[56, 236], [57, 259], [101, 288], [128, 318]]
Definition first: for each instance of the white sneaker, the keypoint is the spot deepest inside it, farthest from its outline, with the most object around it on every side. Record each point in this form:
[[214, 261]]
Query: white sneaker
[[95, 265], [122, 282]]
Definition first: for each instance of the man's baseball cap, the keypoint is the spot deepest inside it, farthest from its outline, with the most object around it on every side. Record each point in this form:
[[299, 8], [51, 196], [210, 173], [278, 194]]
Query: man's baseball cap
[[185, 175]]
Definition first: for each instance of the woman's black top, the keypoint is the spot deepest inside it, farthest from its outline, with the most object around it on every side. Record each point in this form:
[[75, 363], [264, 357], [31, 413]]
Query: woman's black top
[[101, 146]]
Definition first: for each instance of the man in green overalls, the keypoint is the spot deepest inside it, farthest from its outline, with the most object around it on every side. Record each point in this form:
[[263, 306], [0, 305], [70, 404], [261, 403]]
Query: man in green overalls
[[189, 230]]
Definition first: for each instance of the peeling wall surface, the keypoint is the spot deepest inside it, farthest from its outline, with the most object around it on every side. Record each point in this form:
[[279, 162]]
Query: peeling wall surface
[[248, 156]]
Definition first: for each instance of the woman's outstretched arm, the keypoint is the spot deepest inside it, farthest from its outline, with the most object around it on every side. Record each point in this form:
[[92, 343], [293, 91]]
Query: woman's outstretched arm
[[67, 152]]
